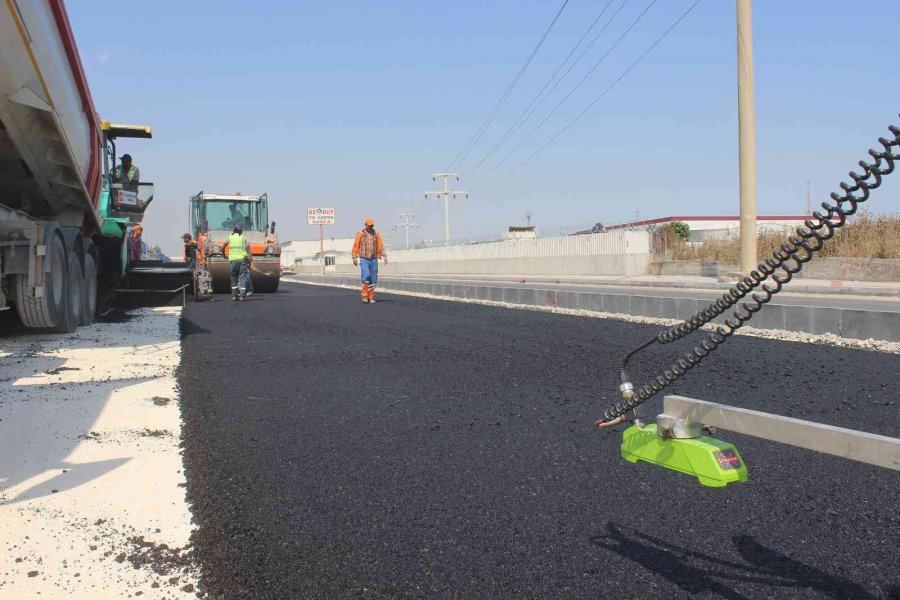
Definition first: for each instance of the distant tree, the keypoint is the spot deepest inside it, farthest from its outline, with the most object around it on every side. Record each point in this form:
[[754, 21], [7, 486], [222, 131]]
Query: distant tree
[[598, 228], [680, 229]]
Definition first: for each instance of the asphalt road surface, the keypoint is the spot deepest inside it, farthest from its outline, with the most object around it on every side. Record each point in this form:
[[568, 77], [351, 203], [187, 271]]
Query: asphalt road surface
[[426, 449]]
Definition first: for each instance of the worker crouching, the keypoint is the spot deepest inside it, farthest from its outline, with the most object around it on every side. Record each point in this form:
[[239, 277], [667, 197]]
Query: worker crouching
[[239, 259], [368, 247]]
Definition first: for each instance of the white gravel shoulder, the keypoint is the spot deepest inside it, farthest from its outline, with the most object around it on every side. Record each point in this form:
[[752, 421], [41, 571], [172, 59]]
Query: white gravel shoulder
[[92, 496], [827, 339]]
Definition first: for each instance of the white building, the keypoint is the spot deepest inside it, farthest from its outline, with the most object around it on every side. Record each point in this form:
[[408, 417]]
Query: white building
[[527, 232], [304, 254], [706, 228]]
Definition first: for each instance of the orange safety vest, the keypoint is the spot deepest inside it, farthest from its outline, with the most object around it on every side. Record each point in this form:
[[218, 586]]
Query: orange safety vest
[[368, 245], [201, 248]]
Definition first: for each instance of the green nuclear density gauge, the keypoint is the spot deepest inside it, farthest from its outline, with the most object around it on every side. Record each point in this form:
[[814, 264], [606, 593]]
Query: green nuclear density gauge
[[713, 462]]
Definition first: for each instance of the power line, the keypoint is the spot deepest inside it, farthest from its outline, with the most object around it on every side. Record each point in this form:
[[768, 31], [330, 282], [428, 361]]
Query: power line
[[535, 104], [572, 91], [481, 130], [600, 97]]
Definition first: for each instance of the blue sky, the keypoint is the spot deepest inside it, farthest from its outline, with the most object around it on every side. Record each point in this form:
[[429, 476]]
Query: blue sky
[[354, 104]]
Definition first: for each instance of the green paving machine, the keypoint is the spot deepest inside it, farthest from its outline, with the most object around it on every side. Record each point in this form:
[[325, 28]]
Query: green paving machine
[[121, 209]]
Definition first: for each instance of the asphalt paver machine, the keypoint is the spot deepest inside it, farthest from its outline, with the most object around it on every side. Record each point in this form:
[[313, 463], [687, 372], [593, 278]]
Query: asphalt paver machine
[[681, 437], [122, 207]]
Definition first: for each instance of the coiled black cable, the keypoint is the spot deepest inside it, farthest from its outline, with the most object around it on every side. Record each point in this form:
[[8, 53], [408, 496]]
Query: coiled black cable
[[788, 259]]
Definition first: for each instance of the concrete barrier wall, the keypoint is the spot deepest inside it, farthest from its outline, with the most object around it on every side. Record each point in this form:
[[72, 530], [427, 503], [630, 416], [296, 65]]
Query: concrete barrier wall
[[599, 244], [847, 269], [628, 264], [705, 268], [853, 269], [620, 253]]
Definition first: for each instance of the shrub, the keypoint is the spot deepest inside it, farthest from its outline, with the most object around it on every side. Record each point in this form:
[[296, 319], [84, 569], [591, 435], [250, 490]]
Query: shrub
[[864, 236]]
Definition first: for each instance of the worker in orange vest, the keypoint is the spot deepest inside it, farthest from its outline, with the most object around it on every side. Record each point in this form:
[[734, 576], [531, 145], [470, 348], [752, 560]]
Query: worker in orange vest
[[203, 278], [136, 244], [368, 247], [202, 239]]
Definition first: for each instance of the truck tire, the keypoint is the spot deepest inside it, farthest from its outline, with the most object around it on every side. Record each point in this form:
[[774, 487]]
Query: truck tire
[[91, 289], [46, 311], [74, 296]]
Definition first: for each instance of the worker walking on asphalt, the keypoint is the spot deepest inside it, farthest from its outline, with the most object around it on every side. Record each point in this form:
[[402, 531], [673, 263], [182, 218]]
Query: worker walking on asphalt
[[368, 247], [239, 257]]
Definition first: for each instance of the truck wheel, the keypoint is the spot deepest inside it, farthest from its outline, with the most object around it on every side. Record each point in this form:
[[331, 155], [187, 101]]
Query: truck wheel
[[74, 296], [91, 289], [47, 310]]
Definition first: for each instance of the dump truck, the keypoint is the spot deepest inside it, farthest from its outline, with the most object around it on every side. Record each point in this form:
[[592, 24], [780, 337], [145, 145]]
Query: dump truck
[[63, 220], [218, 214]]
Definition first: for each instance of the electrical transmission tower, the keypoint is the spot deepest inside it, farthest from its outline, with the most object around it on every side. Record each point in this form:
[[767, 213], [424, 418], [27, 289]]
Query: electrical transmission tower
[[406, 221], [446, 193]]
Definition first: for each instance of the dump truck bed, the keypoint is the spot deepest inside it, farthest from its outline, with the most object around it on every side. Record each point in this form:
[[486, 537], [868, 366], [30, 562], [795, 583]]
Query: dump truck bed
[[50, 141]]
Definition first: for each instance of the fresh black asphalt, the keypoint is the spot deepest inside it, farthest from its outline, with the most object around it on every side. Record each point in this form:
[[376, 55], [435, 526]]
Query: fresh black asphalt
[[425, 449]]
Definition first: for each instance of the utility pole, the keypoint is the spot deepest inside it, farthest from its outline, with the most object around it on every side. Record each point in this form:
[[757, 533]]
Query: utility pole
[[446, 193], [406, 221], [528, 218], [808, 201], [746, 136]]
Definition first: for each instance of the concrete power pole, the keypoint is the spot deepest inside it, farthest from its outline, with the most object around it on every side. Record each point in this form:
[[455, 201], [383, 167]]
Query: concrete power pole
[[446, 193], [808, 201], [746, 136], [406, 221]]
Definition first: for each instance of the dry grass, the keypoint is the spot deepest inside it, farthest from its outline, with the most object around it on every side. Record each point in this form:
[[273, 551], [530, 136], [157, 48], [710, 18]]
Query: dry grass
[[865, 236]]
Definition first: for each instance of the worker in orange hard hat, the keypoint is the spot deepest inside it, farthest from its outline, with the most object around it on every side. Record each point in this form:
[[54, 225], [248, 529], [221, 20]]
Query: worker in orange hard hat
[[368, 247]]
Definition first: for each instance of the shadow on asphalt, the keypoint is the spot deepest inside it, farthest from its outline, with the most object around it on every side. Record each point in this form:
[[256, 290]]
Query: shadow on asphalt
[[697, 572], [188, 327], [128, 300]]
